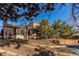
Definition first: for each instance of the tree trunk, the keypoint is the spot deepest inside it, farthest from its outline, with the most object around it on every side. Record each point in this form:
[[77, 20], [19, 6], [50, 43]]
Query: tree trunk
[[27, 33], [4, 28]]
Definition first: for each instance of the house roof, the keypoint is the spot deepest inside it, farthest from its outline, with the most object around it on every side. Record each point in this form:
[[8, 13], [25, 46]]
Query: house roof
[[14, 26]]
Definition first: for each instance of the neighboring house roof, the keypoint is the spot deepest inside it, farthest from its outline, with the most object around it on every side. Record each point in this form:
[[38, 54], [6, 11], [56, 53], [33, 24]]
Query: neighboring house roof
[[33, 25]]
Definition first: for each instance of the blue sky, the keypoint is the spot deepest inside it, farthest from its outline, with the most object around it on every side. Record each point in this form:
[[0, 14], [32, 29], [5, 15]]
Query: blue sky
[[62, 13]]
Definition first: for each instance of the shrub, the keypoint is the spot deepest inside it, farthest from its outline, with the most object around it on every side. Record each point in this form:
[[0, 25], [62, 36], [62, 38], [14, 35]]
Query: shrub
[[56, 42]]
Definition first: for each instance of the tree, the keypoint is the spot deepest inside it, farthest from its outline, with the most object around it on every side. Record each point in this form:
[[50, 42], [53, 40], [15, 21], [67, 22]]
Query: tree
[[43, 29], [62, 29], [66, 30], [56, 25], [7, 11], [58, 29]]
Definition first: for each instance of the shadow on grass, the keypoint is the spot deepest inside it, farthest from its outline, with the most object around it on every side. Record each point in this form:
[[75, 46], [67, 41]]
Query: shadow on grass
[[42, 52], [17, 42]]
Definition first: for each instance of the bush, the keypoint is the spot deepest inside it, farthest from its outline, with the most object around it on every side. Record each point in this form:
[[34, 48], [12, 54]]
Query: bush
[[56, 42]]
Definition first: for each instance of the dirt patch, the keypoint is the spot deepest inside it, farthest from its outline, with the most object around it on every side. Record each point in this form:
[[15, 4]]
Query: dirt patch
[[23, 51], [29, 49], [42, 42]]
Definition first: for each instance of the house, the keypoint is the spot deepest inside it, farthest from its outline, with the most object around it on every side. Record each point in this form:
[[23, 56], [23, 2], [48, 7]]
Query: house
[[31, 27], [76, 36], [13, 30]]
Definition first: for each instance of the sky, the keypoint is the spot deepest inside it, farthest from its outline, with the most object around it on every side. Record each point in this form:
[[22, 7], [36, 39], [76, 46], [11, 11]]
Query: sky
[[62, 13]]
